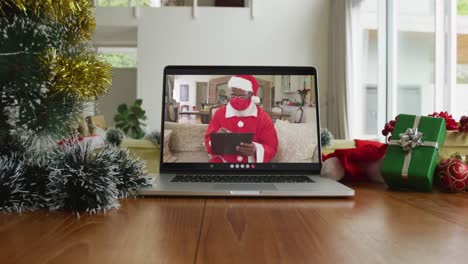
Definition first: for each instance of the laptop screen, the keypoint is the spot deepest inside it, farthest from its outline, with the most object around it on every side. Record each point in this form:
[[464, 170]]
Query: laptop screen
[[244, 118]]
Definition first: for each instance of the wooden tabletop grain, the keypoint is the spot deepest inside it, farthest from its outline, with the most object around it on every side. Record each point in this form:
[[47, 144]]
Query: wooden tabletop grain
[[376, 226]]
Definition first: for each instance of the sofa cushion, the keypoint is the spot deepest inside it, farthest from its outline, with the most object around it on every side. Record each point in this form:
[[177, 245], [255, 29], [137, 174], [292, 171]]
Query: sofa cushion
[[297, 142], [186, 137], [192, 156]]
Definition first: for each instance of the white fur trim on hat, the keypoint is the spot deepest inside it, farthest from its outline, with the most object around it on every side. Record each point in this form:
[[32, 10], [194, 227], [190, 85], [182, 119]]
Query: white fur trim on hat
[[240, 83], [255, 99]]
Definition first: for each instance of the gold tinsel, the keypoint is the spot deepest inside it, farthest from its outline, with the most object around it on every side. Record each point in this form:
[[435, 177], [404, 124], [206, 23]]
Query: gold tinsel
[[77, 14], [82, 75]]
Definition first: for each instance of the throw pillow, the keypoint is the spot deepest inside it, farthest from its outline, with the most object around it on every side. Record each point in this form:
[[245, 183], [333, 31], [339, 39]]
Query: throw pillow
[[186, 137], [297, 142]]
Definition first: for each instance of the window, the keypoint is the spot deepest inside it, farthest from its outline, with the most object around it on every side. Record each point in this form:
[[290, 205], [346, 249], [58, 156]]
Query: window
[[461, 89], [119, 57], [368, 50], [407, 57], [159, 3], [414, 88], [462, 7], [184, 92], [216, 3], [122, 3]]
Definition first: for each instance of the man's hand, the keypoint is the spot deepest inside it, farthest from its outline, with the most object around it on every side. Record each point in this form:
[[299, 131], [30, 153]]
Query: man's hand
[[247, 149], [223, 130]]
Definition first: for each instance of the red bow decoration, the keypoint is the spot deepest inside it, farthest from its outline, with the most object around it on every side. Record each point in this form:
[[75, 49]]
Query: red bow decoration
[[451, 124]]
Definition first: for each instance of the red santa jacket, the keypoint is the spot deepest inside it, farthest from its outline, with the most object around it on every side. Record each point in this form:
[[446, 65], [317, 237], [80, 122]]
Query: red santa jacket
[[251, 120]]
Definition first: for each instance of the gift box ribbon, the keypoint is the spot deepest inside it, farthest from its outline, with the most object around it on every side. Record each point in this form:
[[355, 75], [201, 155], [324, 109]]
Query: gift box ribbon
[[410, 140]]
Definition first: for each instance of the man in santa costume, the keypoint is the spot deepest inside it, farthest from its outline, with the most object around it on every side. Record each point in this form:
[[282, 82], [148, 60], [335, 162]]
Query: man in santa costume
[[242, 115]]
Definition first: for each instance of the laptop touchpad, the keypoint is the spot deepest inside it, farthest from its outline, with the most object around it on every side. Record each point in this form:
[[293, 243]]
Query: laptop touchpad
[[245, 187]]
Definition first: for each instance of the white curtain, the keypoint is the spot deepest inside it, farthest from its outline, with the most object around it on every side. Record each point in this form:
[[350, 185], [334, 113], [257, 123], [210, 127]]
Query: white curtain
[[339, 71]]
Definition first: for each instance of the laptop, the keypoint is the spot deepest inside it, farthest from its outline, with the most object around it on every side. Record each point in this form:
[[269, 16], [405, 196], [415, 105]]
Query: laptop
[[266, 135]]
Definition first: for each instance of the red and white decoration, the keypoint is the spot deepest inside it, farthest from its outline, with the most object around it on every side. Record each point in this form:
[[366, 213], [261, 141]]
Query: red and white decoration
[[453, 175], [93, 142], [362, 163]]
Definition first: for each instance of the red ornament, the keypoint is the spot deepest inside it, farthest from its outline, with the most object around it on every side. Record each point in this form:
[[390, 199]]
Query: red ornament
[[464, 120], [385, 132], [463, 124], [388, 128], [453, 175]]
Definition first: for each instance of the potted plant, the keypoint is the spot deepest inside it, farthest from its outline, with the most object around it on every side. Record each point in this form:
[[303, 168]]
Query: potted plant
[[303, 93], [129, 119]]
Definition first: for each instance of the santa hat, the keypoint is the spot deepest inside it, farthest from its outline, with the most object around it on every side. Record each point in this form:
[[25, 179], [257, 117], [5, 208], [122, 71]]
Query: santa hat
[[247, 83]]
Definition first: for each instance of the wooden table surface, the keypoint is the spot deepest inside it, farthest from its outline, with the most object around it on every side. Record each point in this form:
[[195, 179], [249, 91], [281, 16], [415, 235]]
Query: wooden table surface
[[376, 226]]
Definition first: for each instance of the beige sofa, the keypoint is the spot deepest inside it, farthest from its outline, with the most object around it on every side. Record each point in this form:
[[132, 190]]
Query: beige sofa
[[186, 142]]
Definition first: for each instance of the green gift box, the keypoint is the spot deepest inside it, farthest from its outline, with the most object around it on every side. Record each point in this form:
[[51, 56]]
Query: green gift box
[[412, 155]]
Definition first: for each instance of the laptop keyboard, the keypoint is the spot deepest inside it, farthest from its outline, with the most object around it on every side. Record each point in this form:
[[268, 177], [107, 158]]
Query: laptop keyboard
[[241, 179]]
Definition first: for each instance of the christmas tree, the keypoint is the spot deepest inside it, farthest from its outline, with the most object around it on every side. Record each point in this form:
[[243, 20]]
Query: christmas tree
[[47, 70], [47, 66]]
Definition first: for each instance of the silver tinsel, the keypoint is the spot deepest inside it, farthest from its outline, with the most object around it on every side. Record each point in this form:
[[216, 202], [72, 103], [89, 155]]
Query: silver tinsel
[[82, 180], [326, 138], [36, 171], [16, 189], [154, 137], [114, 136], [129, 171], [72, 177]]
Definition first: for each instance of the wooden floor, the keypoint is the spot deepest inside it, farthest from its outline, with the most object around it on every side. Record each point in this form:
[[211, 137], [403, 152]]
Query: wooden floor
[[376, 226]]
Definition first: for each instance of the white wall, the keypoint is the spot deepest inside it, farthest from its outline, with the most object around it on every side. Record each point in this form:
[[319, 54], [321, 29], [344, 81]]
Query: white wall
[[290, 33], [122, 90]]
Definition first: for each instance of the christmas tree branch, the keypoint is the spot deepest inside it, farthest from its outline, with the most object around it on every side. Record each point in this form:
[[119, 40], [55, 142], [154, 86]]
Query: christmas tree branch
[[17, 53]]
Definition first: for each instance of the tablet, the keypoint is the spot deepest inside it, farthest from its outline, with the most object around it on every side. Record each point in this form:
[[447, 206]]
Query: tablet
[[226, 143]]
